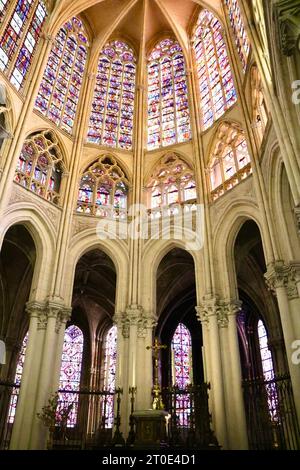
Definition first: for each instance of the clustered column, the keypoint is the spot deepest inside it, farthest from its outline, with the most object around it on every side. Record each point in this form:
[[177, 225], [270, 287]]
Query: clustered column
[[40, 373], [283, 281]]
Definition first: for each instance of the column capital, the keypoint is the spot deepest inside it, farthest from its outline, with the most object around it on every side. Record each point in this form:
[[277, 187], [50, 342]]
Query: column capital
[[227, 309], [45, 310], [146, 321], [280, 275], [207, 308], [63, 317]]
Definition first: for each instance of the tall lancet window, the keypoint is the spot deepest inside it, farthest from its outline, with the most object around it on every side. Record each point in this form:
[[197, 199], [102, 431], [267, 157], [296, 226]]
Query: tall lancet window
[[168, 107], [18, 377], [238, 28], [268, 370], [60, 88], [182, 372], [216, 86], [110, 364], [18, 41], [70, 373], [111, 120]]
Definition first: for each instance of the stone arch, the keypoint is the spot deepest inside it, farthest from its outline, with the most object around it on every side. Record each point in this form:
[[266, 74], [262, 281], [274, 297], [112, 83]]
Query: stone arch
[[44, 238], [116, 250], [224, 241], [155, 251]]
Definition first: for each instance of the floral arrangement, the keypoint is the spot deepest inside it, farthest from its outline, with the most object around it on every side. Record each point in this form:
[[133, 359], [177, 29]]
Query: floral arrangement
[[52, 414]]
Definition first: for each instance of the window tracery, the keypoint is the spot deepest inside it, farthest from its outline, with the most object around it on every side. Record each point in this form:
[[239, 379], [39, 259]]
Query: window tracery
[[172, 183], [168, 107], [40, 166], [216, 86], [230, 162], [60, 88], [103, 189], [20, 37], [238, 28], [111, 120]]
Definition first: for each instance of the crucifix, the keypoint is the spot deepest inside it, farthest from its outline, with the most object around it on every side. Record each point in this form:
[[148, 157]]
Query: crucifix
[[157, 400]]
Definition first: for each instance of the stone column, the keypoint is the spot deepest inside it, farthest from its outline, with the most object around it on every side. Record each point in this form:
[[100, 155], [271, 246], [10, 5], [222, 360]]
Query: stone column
[[123, 331], [278, 278], [208, 313], [40, 373], [146, 325], [236, 417], [24, 411]]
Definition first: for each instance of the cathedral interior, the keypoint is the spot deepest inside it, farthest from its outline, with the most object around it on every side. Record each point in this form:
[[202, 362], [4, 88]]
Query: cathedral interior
[[149, 223]]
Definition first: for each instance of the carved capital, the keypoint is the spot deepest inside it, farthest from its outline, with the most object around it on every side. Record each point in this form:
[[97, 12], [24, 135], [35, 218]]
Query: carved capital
[[208, 307], [281, 275], [144, 323], [123, 324], [62, 318], [134, 313], [288, 14], [227, 309]]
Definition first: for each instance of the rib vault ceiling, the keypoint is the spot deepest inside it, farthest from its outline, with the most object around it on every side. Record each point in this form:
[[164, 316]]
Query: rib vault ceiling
[[138, 21]]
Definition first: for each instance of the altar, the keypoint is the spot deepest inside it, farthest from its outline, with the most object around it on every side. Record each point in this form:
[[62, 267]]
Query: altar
[[152, 429]]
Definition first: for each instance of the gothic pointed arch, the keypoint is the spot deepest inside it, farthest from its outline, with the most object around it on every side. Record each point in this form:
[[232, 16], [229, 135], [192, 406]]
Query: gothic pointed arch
[[172, 182], [229, 161], [41, 165], [103, 189], [62, 81]]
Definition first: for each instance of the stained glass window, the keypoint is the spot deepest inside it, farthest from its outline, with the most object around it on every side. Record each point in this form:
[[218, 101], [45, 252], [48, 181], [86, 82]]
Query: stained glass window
[[70, 372], [3, 8], [61, 84], [268, 370], [230, 162], [16, 55], [110, 363], [168, 107], [15, 393], [40, 166], [265, 353], [182, 372], [111, 120], [216, 86], [171, 183], [238, 28], [103, 190]]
